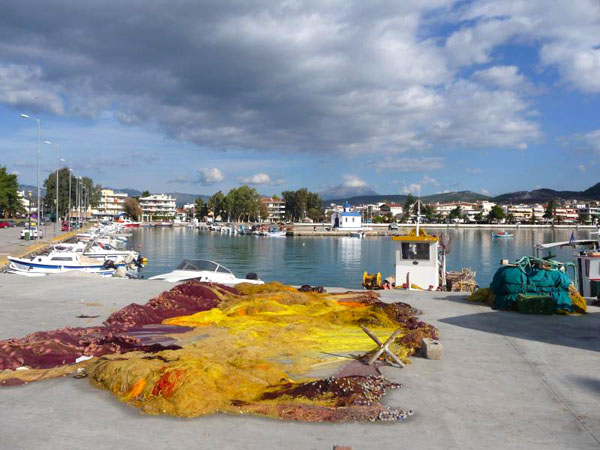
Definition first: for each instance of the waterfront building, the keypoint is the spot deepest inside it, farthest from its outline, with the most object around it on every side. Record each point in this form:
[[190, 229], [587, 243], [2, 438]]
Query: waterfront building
[[275, 209], [111, 203], [468, 210], [346, 219], [27, 203], [566, 215], [520, 213], [157, 206], [394, 209]]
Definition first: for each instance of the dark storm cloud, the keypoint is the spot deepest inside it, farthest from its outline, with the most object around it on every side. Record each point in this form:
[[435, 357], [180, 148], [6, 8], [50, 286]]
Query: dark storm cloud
[[295, 76]]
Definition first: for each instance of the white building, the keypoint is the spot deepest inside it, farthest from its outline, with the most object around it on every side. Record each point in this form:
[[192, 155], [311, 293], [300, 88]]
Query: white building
[[158, 206], [346, 219], [391, 208], [275, 209], [111, 203], [26, 202]]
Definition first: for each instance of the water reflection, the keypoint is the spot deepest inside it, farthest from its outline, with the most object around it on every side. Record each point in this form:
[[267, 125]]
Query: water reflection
[[335, 261]]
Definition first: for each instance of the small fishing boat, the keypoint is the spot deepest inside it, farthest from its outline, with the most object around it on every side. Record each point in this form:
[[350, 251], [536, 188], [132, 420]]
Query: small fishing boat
[[59, 262], [207, 271], [275, 232], [501, 234], [356, 234]]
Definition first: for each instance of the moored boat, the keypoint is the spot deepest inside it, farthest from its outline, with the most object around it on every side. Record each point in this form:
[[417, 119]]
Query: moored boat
[[207, 271]]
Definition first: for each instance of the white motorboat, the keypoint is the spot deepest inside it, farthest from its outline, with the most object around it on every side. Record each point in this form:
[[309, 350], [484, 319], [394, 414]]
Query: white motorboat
[[275, 232], [59, 262], [207, 271]]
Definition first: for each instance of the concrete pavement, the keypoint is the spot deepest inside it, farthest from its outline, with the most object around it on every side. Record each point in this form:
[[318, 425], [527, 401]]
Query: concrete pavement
[[11, 243], [505, 381]]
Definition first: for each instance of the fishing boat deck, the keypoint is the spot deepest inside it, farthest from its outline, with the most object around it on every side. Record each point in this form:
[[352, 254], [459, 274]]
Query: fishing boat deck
[[505, 381]]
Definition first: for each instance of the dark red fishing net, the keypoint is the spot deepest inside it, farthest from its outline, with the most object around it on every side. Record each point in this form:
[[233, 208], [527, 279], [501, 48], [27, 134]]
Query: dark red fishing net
[[123, 331]]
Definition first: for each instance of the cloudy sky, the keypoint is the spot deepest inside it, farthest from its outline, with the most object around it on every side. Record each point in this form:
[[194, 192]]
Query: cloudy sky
[[201, 95]]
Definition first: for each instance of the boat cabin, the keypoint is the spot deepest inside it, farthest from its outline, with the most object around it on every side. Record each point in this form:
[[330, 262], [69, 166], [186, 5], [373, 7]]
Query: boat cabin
[[586, 261], [417, 261]]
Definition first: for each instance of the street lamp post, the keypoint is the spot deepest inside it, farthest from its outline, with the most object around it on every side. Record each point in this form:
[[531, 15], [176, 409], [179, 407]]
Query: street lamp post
[[37, 222], [29, 194]]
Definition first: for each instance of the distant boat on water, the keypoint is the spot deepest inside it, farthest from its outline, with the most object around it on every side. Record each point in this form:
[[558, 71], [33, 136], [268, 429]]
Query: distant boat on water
[[501, 234]]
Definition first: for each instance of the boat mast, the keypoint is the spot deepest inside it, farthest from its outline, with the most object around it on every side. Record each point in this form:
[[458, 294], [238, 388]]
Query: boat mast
[[418, 208]]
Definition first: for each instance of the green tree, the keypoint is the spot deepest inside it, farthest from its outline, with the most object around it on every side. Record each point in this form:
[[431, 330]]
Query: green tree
[[408, 204], [479, 217], [496, 213], [217, 205], [243, 203], [549, 213], [378, 219], [584, 217], [63, 191], [146, 194], [456, 213], [132, 208], [263, 211], [198, 207], [429, 213], [10, 204]]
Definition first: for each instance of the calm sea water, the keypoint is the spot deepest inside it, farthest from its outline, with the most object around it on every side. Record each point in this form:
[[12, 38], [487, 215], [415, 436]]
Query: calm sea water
[[331, 261]]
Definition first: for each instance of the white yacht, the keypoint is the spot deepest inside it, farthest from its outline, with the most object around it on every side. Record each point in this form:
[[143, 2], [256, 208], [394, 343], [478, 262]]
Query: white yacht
[[59, 262], [207, 271]]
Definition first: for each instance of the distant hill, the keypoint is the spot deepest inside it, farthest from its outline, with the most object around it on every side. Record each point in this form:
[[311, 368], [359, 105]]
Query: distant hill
[[346, 192], [464, 196], [545, 195]]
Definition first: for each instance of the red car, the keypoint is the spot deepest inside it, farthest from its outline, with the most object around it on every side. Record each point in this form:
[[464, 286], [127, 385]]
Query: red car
[[4, 225]]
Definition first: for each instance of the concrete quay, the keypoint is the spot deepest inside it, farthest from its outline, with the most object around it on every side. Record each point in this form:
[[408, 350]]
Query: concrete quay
[[11, 243], [505, 381]]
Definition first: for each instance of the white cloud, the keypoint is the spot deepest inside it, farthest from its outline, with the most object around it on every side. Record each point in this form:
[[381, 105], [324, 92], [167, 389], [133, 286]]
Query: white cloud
[[414, 188], [179, 179], [506, 77], [568, 32], [353, 181], [261, 179], [589, 141], [210, 176], [473, 170], [484, 191], [581, 168], [409, 164], [23, 87]]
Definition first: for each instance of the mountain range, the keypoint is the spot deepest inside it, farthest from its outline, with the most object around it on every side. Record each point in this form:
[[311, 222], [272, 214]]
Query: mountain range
[[465, 196], [364, 194]]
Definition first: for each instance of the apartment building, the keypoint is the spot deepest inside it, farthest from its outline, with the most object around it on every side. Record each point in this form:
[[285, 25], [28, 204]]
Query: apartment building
[[111, 203], [275, 209], [157, 206]]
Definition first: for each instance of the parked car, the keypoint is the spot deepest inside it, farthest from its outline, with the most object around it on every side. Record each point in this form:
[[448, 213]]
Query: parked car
[[4, 224], [393, 226], [33, 233], [66, 227]]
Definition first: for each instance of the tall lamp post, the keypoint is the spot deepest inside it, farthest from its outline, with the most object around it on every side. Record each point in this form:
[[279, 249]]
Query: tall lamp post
[[29, 194], [56, 210], [37, 222]]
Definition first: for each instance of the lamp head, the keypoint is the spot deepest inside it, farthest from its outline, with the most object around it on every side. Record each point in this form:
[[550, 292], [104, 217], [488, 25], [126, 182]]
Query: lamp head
[[25, 116]]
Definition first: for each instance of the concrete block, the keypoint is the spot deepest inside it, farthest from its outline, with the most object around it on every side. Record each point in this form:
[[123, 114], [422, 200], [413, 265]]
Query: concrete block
[[431, 349]]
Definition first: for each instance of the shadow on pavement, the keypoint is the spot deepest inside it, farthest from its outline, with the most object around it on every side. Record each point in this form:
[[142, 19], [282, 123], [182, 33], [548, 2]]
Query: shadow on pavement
[[581, 332]]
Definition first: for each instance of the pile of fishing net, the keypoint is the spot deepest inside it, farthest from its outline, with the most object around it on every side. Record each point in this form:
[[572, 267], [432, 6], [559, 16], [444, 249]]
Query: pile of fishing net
[[261, 349], [531, 276], [463, 281]]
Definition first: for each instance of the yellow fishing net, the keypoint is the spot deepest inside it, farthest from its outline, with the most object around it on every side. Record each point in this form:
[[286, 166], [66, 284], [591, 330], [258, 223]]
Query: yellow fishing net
[[237, 355]]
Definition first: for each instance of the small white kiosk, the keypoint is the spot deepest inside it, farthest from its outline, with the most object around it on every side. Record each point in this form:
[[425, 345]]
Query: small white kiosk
[[417, 261]]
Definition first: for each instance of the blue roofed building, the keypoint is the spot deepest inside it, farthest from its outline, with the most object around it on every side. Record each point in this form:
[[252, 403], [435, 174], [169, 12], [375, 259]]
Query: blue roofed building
[[346, 219]]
